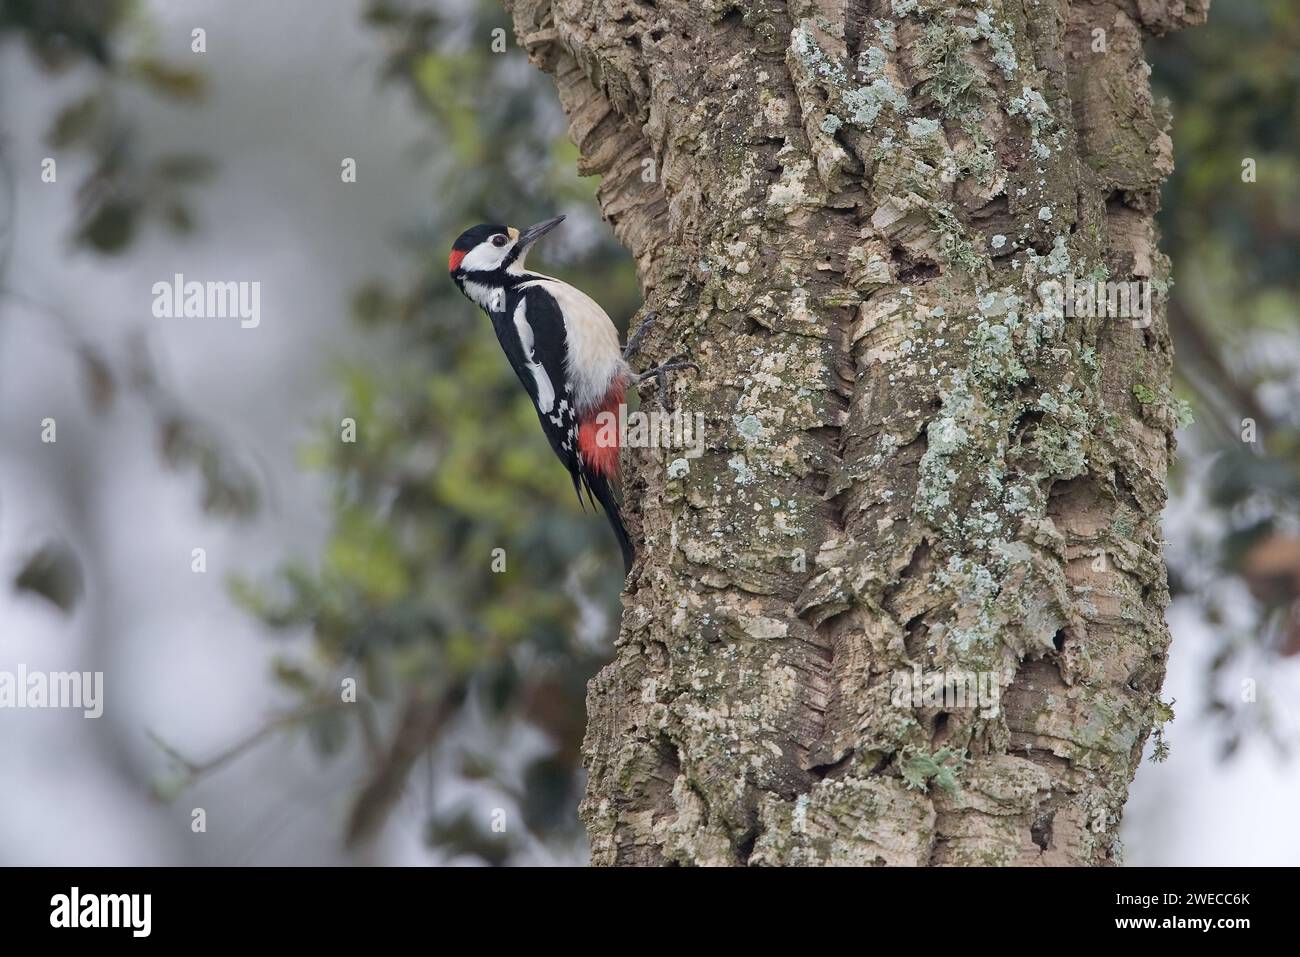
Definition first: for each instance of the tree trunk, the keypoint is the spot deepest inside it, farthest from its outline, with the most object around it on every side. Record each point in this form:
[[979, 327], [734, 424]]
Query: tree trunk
[[920, 477]]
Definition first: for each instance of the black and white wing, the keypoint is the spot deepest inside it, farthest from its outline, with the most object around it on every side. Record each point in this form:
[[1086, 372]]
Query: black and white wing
[[532, 333]]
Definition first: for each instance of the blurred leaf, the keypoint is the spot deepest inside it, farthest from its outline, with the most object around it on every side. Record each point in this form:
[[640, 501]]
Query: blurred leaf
[[111, 227], [179, 218], [462, 834], [169, 80], [551, 792], [60, 32], [371, 303], [364, 553], [228, 487], [329, 732], [1236, 475], [292, 676], [185, 168], [54, 573], [101, 384], [76, 122], [168, 787], [475, 766]]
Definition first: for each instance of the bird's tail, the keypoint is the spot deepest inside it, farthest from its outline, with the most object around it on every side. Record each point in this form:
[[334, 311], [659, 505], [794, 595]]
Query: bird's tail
[[600, 487]]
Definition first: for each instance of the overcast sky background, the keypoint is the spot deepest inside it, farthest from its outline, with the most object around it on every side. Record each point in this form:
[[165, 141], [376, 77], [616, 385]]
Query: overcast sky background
[[291, 92]]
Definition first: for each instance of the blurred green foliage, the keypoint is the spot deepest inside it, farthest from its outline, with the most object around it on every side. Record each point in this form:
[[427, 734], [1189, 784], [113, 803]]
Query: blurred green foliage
[[125, 187]]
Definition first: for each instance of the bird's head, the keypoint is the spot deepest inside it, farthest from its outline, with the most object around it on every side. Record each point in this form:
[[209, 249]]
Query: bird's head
[[489, 248]]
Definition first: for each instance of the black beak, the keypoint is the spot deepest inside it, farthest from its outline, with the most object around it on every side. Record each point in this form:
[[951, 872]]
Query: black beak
[[534, 233]]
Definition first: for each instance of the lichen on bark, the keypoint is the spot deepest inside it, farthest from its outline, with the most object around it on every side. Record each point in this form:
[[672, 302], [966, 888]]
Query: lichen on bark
[[915, 462]]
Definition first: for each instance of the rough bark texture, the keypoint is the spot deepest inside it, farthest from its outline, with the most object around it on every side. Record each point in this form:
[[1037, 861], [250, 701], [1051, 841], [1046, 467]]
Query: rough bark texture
[[912, 464]]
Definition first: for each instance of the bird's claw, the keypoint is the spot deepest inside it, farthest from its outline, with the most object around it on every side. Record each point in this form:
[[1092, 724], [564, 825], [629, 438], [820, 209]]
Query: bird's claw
[[634, 340], [660, 373]]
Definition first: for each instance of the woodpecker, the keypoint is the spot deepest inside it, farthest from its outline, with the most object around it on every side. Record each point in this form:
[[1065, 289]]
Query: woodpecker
[[565, 351]]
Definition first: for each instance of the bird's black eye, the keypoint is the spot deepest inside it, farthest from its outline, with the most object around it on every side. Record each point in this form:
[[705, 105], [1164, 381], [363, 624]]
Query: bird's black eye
[[498, 240]]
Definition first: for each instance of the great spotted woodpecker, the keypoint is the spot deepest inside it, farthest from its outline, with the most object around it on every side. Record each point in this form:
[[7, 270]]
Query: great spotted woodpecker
[[565, 350]]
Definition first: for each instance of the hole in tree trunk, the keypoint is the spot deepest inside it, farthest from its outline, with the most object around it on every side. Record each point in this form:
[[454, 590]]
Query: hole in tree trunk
[[1041, 830], [940, 734]]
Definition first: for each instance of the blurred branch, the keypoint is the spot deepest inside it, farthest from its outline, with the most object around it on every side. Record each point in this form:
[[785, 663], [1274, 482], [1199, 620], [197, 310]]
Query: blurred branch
[[195, 770], [1191, 341], [423, 718]]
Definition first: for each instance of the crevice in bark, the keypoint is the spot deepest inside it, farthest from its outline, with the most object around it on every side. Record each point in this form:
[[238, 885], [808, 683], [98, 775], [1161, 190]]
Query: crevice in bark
[[1041, 831]]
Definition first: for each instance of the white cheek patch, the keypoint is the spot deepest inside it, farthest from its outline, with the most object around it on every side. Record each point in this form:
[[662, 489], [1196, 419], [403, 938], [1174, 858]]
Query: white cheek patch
[[545, 390], [485, 257]]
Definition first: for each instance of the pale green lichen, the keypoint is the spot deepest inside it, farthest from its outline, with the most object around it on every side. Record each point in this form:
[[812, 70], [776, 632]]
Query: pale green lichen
[[1164, 713], [920, 770], [872, 60], [744, 474], [855, 103], [888, 37], [1004, 52], [922, 127], [750, 428], [866, 103]]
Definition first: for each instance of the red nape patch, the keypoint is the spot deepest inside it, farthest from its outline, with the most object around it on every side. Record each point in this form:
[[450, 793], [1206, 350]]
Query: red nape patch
[[454, 259], [598, 433]]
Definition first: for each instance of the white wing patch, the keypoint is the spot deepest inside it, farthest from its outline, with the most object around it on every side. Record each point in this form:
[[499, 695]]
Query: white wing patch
[[545, 390], [594, 355]]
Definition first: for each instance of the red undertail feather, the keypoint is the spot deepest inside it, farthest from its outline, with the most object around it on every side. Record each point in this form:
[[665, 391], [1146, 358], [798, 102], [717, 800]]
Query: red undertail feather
[[598, 433]]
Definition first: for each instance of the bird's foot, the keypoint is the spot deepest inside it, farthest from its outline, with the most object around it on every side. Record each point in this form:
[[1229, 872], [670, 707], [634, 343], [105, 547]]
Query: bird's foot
[[660, 373], [634, 340]]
